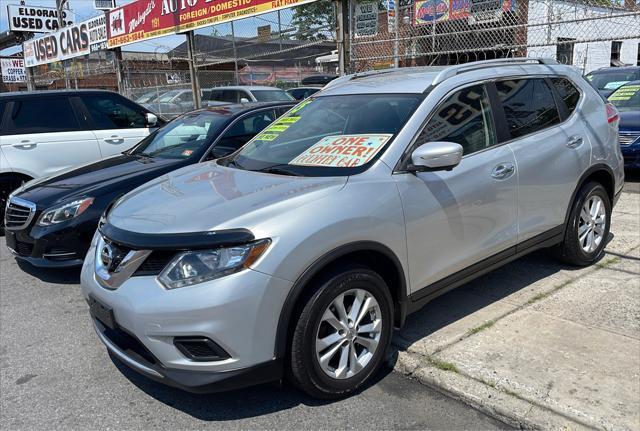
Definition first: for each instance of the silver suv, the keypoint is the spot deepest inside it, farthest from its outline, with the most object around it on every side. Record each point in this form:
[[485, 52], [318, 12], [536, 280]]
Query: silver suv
[[298, 254]]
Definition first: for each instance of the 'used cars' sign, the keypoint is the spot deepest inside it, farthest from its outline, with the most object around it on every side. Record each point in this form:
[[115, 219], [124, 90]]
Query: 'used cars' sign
[[13, 70], [37, 19], [74, 41]]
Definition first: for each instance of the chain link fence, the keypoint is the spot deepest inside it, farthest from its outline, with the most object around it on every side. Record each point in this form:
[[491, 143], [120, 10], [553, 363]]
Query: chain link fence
[[585, 33]]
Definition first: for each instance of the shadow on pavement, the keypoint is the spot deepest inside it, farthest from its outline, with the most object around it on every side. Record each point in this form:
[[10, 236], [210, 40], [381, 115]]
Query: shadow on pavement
[[480, 293], [51, 275], [232, 405]]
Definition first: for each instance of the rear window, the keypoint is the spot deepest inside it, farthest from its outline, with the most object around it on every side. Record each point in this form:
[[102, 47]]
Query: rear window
[[568, 92], [271, 95], [42, 115], [528, 105]]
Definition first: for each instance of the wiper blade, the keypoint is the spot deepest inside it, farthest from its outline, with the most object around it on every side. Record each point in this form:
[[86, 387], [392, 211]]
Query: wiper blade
[[277, 169]]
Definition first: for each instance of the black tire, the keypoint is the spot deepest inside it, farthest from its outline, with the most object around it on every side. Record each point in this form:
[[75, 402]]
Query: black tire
[[305, 371], [570, 250], [8, 183]]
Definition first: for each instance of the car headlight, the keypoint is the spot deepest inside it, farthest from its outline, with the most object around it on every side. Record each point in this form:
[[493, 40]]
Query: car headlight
[[64, 212], [198, 266]]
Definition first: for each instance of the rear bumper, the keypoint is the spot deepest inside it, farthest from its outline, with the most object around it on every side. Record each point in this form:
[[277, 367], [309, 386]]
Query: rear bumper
[[194, 381]]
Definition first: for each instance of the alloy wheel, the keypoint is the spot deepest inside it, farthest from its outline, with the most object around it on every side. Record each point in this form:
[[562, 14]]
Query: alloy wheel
[[592, 224]]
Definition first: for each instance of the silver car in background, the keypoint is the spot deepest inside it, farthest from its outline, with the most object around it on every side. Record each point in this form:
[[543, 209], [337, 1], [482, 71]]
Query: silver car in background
[[298, 254]]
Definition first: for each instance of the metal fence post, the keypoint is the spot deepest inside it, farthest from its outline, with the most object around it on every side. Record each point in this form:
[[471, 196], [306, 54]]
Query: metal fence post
[[195, 87], [117, 61], [30, 81], [235, 54]]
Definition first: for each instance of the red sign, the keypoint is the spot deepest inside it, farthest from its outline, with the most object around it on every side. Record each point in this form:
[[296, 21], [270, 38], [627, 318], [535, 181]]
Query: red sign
[[146, 19]]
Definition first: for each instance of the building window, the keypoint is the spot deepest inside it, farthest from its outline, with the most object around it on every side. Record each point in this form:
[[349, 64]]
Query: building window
[[564, 50], [616, 46]]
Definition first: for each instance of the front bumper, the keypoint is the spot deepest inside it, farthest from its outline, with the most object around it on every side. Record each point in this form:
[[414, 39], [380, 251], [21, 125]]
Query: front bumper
[[238, 312], [52, 246], [631, 155]]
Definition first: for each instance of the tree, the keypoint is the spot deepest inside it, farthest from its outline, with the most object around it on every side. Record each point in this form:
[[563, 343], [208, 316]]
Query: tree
[[314, 20]]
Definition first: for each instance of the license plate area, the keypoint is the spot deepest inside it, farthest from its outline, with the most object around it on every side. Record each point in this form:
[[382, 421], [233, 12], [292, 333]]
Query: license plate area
[[102, 313]]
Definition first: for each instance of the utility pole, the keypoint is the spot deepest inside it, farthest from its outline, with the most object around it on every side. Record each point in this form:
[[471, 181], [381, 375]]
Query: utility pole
[[396, 42], [60, 6], [195, 87], [235, 54], [342, 35]]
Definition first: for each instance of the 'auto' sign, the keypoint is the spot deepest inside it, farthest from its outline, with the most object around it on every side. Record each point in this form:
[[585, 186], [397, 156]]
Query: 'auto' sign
[[74, 41], [37, 19]]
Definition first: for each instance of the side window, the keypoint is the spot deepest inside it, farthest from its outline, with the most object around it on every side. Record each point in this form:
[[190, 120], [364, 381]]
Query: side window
[[111, 112], [568, 92], [528, 105], [42, 115], [230, 96], [464, 118], [242, 131]]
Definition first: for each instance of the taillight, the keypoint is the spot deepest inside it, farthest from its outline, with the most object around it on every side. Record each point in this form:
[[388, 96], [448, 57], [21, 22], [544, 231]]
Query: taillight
[[612, 113]]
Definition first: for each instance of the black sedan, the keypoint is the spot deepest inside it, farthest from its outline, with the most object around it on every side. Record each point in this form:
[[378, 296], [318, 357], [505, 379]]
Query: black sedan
[[50, 222]]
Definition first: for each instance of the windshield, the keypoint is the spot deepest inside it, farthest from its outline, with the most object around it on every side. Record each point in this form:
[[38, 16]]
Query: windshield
[[610, 80], [626, 98], [185, 136], [147, 97], [166, 97], [329, 135], [271, 95]]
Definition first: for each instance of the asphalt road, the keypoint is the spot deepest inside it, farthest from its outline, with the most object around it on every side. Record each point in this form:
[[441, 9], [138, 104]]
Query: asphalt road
[[54, 373]]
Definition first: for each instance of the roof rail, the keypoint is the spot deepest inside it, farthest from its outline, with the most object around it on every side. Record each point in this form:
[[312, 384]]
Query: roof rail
[[452, 71]]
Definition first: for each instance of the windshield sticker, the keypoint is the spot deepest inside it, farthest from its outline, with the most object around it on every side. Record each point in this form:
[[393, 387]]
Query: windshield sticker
[[266, 136], [287, 120], [344, 151], [187, 153], [277, 128], [615, 84], [300, 105], [625, 93]]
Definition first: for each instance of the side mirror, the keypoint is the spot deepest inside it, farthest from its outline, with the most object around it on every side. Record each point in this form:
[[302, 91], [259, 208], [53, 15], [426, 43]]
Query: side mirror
[[435, 156], [244, 100], [152, 119]]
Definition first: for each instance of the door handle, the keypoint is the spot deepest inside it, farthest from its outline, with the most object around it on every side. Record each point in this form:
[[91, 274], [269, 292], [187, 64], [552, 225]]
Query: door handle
[[503, 171], [575, 141], [25, 144], [114, 139]]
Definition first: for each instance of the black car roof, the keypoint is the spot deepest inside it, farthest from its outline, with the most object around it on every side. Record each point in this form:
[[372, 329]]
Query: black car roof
[[241, 108], [21, 94], [613, 69]]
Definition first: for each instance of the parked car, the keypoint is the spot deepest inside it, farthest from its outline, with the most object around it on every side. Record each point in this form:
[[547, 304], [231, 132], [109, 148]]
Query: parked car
[[608, 79], [172, 103], [50, 223], [245, 94], [298, 254], [318, 79], [627, 100], [148, 97], [301, 93], [43, 132]]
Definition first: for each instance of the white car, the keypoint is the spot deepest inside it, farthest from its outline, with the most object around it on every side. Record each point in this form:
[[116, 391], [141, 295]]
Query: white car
[[45, 132], [245, 94]]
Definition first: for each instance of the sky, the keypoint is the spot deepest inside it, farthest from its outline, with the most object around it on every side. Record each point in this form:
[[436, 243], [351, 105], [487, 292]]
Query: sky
[[84, 10]]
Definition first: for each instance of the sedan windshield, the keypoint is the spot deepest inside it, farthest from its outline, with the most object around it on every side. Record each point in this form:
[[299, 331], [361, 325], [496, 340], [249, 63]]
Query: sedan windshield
[[610, 80], [168, 96], [271, 95], [184, 137], [329, 135], [627, 97]]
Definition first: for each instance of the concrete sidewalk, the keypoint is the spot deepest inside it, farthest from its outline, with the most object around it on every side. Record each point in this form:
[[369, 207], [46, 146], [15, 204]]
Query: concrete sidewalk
[[538, 344]]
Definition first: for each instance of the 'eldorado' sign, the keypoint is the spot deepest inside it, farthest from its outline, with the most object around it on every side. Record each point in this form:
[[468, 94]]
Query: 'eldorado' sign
[[146, 19], [36, 19], [74, 41]]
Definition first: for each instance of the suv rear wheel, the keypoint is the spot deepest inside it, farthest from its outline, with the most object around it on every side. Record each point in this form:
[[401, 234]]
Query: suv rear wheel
[[342, 334], [588, 226]]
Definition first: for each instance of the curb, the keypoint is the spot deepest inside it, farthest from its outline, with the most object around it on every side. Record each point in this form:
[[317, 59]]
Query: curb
[[503, 406]]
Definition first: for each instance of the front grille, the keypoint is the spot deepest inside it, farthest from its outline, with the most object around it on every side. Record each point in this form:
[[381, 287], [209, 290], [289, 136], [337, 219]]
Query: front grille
[[155, 263], [627, 138], [200, 349], [24, 248], [18, 214]]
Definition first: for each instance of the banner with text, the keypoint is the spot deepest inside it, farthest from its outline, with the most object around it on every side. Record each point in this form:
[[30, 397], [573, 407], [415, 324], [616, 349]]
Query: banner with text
[[74, 41], [147, 19], [13, 70]]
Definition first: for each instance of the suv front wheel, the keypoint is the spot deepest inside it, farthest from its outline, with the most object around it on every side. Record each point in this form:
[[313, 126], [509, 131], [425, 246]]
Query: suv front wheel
[[588, 226], [342, 334]]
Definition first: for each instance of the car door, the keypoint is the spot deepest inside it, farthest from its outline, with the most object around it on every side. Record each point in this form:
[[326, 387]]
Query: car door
[[241, 131], [457, 218], [44, 134], [118, 124], [550, 153]]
